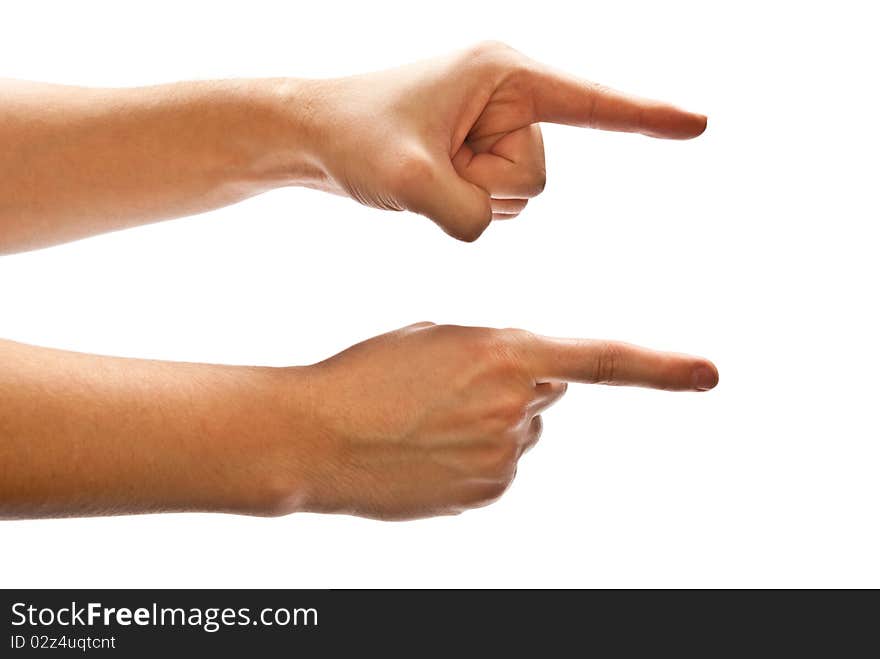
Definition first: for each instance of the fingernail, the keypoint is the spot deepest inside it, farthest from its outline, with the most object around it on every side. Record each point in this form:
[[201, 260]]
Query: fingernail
[[704, 378]]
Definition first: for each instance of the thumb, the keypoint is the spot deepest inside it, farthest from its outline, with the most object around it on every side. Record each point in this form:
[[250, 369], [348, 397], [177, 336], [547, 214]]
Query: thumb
[[460, 208]]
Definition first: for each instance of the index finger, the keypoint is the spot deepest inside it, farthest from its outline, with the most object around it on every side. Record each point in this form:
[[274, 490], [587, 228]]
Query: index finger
[[615, 363], [564, 99]]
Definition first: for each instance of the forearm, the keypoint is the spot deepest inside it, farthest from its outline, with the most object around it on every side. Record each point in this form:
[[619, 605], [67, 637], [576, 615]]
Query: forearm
[[84, 435], [79, 161]]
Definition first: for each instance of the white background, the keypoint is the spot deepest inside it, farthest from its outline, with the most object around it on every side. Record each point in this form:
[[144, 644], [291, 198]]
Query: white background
[[754, 245]]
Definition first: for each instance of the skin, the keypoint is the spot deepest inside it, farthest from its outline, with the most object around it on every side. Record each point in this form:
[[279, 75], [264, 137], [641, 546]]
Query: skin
[[426, 420]]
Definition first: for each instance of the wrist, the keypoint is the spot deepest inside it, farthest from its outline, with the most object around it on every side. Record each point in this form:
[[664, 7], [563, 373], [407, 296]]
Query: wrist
[[294, 134], [272, 456]]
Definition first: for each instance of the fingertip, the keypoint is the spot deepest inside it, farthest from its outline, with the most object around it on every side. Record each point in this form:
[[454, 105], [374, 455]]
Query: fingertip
[[676, 124], [696, 125], [693, 125], [704, 376]]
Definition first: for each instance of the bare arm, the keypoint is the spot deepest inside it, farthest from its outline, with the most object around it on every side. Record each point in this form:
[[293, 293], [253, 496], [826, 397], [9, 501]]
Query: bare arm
[[92, 435], [78, 161], [425, 420], [456, 139]]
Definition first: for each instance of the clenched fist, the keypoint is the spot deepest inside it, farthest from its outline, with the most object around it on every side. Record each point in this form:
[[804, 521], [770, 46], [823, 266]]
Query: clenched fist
[[457, 138], [431, 420]]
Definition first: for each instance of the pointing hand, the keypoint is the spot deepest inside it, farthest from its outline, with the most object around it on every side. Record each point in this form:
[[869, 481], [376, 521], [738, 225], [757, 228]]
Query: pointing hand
[[457, 138], [430, 419]]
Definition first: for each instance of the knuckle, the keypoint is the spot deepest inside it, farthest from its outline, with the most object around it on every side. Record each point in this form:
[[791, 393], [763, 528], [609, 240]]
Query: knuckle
[[503, 458], [516, 336], [497, 57], [512, 345], [504, 483], [497, 491], [424, 324], [488, 47], [500, 354], [510, 409], [411, 170], [494, 489], [452, 511], [469, 226], [533, 181], [467, 233], [485, 341], [539, 181], [594, 91], [506, 367], [533, 434], [514, 410], [537, 428], [606, 362]]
